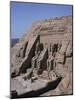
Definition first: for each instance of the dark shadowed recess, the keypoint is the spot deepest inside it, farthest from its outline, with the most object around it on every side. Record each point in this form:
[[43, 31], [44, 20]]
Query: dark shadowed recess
[[50, 86]]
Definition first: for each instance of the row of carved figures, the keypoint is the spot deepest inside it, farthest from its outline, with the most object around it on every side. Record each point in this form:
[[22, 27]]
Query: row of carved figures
[[45, 59]]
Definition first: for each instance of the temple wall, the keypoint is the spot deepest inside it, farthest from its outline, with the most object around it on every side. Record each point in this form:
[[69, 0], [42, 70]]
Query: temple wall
[[47, 39]]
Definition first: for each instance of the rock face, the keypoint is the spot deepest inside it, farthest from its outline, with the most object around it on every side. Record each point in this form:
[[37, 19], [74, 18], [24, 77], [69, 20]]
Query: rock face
[[45, 49]]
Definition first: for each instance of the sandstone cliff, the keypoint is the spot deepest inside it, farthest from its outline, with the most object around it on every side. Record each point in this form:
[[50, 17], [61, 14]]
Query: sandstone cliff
[[46, 49]]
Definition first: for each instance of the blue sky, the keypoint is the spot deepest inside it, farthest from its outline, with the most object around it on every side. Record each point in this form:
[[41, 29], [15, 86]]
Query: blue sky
[[24, 14]]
